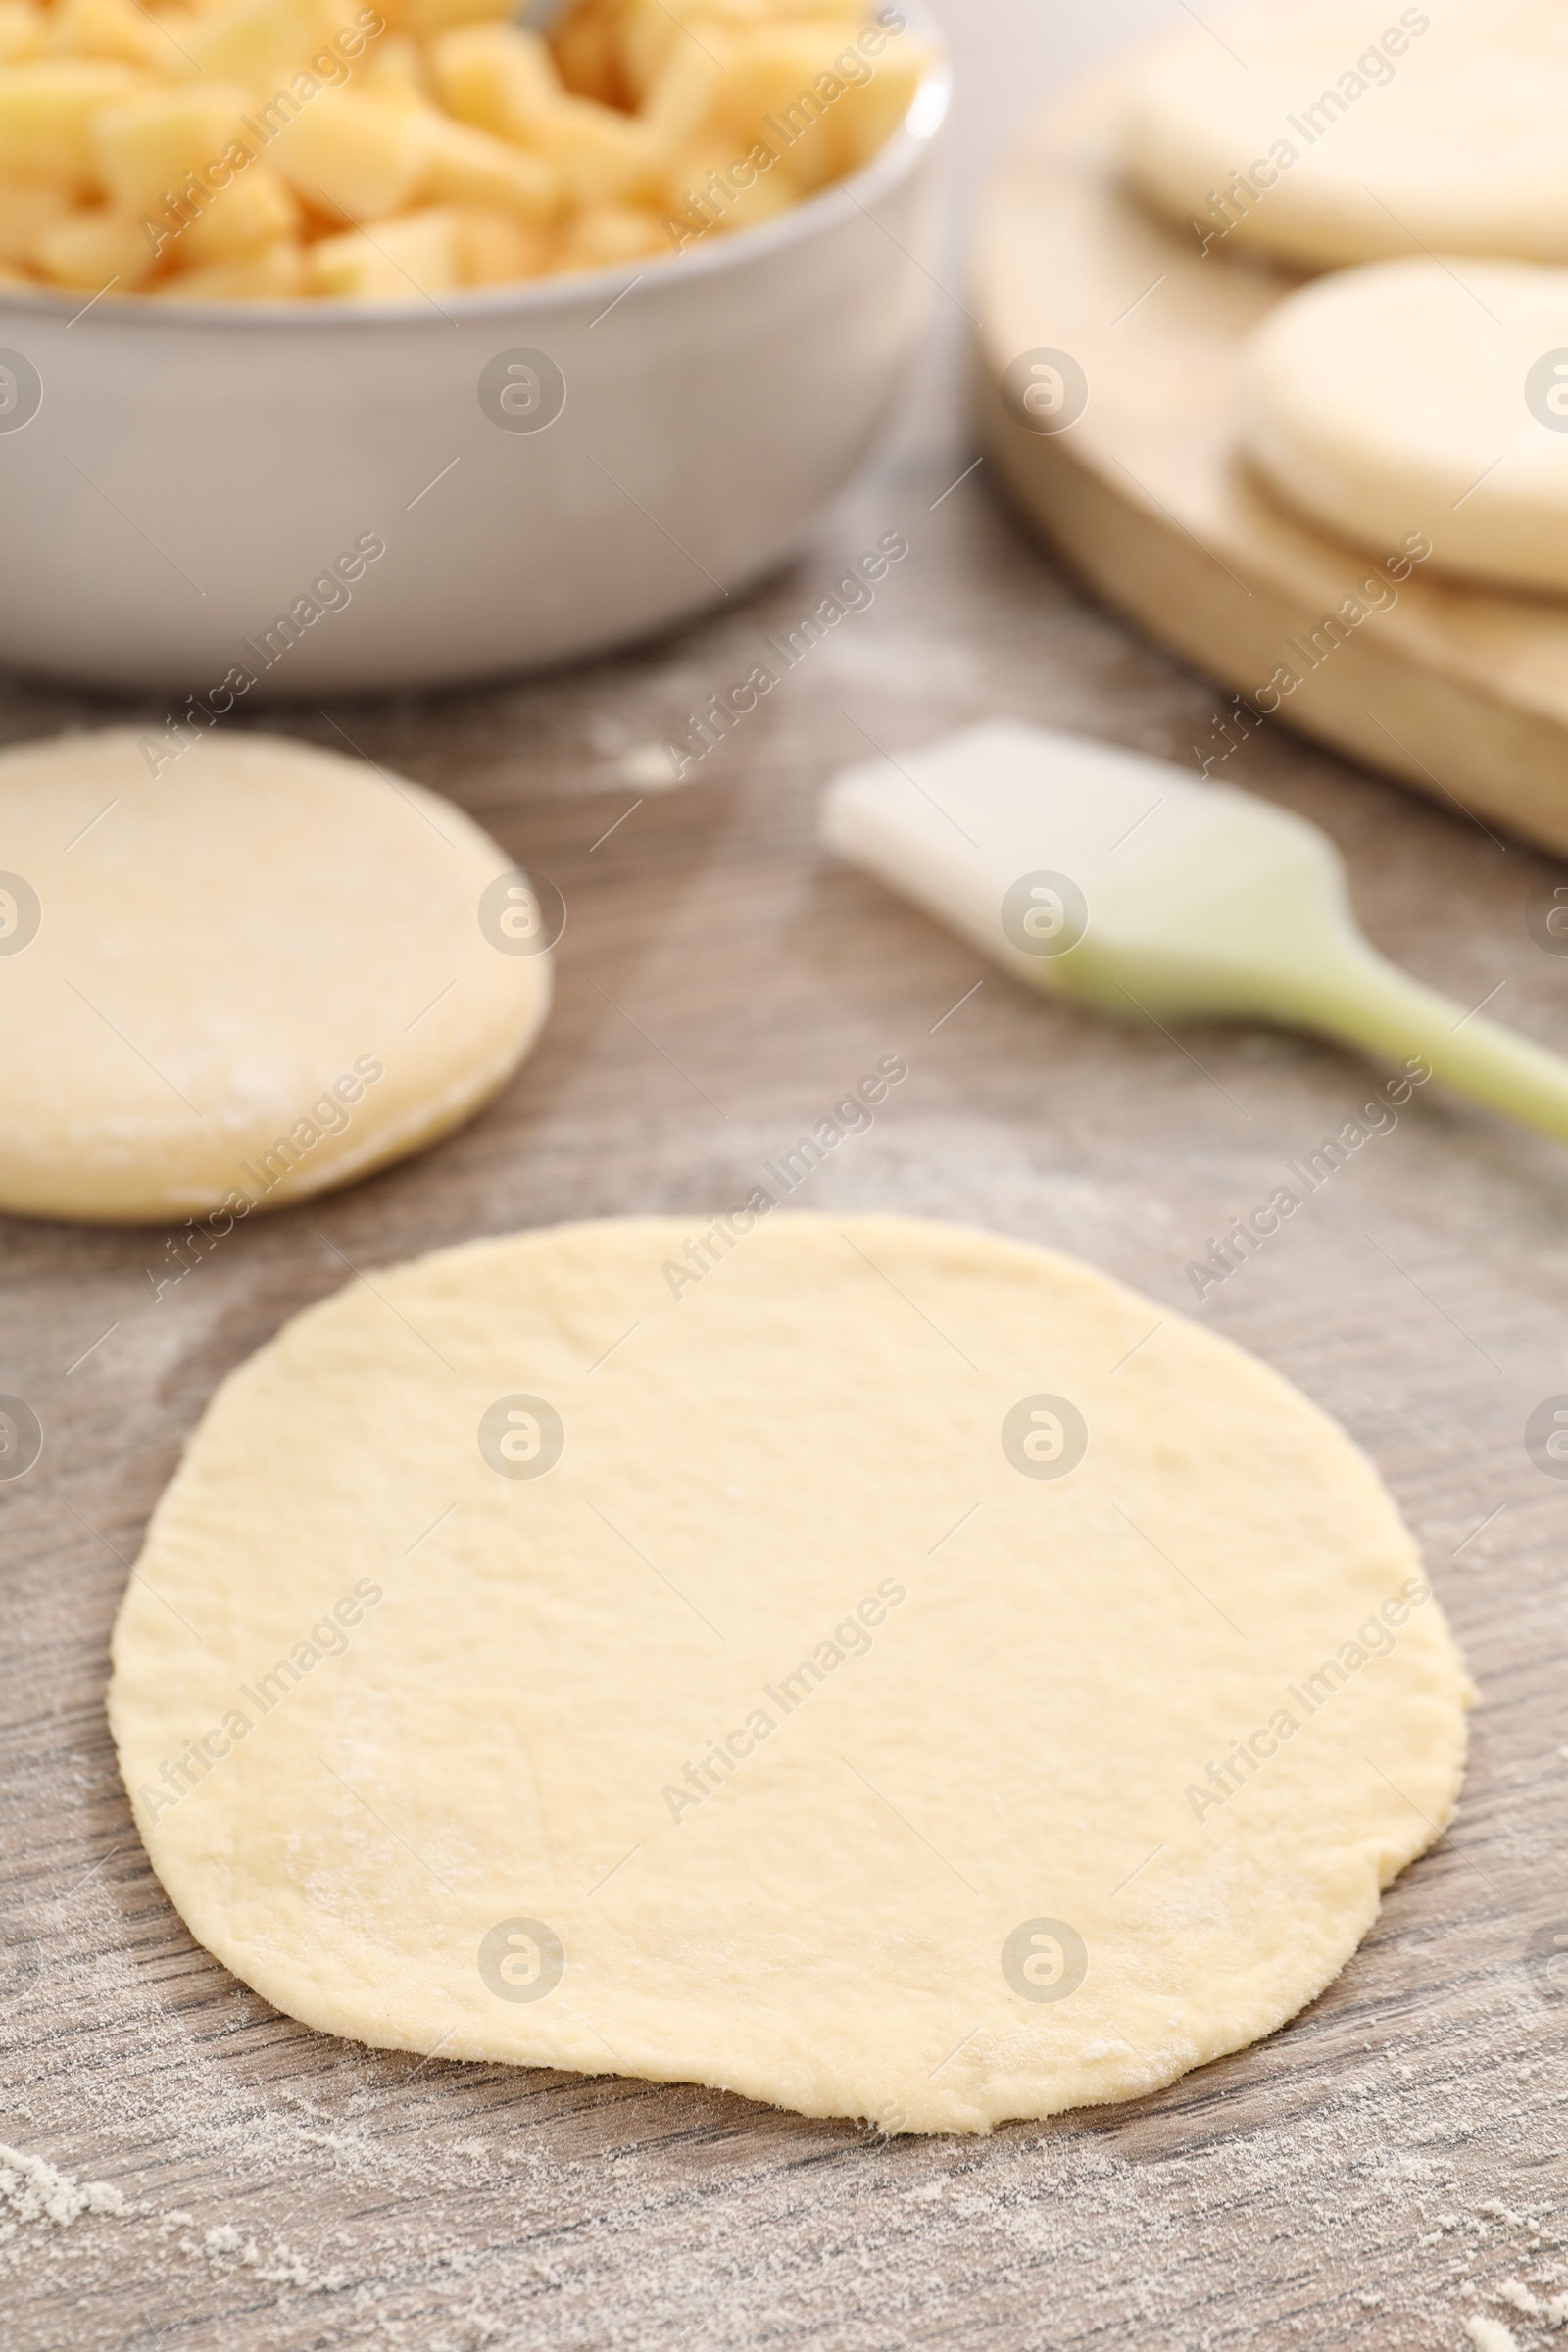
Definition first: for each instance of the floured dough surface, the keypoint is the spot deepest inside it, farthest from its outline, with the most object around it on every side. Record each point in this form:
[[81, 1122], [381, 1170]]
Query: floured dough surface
[[899, 1673], [1346, 132], [262, 970], [1422, 399]]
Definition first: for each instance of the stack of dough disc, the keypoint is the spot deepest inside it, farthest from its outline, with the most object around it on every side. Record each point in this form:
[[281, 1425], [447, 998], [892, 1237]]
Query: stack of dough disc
[[1413, 400], [234, 977], [1357, 132], [1400, 400]]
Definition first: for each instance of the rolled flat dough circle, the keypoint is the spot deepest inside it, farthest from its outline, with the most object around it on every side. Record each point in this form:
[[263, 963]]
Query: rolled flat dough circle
[[1423, 398], [1346, 132], [803, 1679], [203, 971]]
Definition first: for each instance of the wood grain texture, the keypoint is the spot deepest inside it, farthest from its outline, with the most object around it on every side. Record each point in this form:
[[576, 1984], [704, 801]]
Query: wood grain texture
[[1460, 691], [720, 984]]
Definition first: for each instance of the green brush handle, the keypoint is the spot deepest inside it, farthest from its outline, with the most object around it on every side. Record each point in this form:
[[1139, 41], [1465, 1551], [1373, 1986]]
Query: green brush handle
[[1356, 996]]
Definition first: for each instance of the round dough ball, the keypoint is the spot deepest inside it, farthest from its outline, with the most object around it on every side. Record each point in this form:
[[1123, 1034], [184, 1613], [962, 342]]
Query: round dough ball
[[1345, 133], [259, 972], [1403, 407], [868, 1665]]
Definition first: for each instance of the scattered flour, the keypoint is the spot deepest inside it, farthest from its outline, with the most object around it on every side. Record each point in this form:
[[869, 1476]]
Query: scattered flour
[[291, 2269], [37, 2192], [224, 2246], [1490, 2335], [1555, 2313]]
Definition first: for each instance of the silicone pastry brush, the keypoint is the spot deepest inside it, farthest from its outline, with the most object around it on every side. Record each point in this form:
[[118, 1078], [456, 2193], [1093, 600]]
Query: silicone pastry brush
[[1120, 883]]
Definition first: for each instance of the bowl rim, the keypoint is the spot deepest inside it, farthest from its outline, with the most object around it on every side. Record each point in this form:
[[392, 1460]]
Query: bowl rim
[[893, 163]]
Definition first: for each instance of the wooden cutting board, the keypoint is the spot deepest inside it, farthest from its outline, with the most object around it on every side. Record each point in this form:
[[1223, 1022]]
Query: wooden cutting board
[[1458, 691]]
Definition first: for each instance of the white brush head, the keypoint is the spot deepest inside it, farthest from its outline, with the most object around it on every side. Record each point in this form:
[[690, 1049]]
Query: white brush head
[[1130, 887], [1034, 844]]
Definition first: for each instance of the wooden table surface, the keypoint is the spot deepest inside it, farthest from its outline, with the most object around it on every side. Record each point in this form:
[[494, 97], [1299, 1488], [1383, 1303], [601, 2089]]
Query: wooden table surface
[[1371, 2174]]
